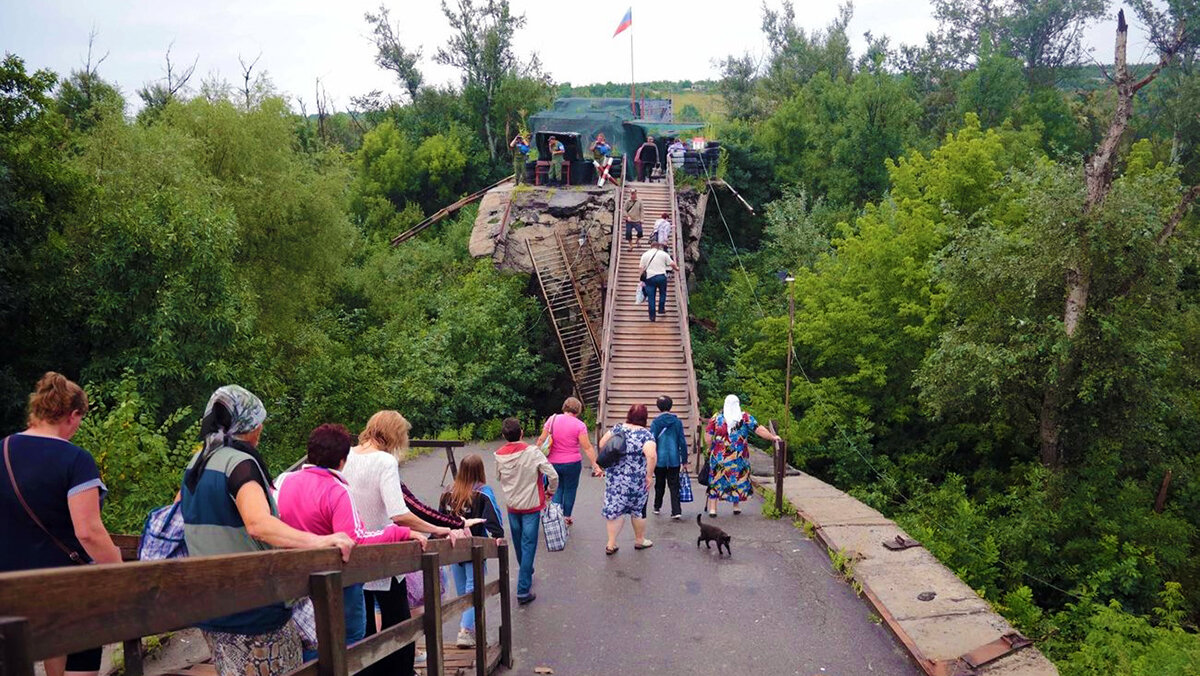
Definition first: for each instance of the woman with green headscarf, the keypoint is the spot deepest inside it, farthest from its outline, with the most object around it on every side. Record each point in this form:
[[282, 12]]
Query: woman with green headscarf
[[228, 508]]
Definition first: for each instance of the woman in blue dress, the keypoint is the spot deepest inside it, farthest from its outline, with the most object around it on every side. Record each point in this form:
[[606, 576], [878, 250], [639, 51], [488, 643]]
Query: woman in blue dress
[[627, 483]]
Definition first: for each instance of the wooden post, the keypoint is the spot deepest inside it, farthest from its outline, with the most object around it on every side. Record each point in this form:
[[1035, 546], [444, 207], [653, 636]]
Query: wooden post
[[480, 600], [1161, 502], [15, 639], [780, 470], [326, 592], [132, 651], [506, 645], [450, 461], [433, 613]]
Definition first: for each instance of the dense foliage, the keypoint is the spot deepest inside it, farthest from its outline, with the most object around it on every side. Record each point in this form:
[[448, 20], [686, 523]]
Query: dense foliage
[[223, 239], [930, 201], [930, 212]]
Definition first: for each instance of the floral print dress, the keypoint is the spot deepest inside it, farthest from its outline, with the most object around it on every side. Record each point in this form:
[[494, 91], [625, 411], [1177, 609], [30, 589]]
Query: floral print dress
[[625, 482], [729, 462]]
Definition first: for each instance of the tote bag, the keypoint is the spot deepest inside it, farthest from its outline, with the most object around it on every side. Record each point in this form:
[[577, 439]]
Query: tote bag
[[555, 527], [685, 487]]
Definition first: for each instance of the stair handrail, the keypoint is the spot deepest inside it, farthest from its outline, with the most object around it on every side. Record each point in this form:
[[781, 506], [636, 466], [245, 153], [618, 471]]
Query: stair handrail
[[587, 321], [610, 300], [537, 272], [681, 289]]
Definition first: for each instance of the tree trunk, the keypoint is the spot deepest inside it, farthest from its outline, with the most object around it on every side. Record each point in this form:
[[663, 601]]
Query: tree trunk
[[487, 126], [1098, 174]]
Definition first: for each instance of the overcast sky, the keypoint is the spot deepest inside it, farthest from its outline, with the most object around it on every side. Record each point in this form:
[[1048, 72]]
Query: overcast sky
[[302, 40]]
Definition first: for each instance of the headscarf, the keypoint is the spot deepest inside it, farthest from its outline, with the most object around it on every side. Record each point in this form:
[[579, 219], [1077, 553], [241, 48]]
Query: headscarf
[[246, 412], [732, 411]]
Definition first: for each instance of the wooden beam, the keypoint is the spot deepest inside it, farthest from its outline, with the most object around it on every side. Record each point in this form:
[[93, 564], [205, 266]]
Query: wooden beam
[[378, 646], [75, 608], [506, 640], [430, 566], [480, 598], [326, 592], [16, 657]]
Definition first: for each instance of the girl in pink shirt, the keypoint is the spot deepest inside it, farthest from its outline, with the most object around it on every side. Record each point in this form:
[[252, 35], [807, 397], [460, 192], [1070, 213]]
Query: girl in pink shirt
[[568, 435]]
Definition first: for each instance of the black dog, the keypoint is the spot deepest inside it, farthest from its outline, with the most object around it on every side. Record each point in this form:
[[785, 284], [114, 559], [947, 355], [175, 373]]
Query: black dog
[[709, 533]]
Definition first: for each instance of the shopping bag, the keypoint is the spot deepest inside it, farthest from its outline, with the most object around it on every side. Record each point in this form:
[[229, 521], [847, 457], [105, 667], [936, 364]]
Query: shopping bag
[[685, 487], [555, 527], [641, 293], [162, 535]]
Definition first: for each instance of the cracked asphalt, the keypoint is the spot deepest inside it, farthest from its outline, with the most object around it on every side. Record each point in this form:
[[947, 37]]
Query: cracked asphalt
[[774, 607]]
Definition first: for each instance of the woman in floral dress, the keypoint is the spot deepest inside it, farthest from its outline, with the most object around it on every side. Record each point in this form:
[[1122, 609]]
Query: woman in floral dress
[[627, 483], [729, 461]]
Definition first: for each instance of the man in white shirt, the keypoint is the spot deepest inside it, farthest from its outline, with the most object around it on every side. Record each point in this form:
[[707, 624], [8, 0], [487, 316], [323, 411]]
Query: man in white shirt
[[654, 265], [662, 231]]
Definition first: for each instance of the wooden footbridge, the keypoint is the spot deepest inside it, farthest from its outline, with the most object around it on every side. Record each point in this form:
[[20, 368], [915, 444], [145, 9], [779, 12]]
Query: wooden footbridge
[[629, 360]]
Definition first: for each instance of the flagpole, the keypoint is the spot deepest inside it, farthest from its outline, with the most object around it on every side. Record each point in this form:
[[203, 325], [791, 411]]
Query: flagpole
[[632, 94]]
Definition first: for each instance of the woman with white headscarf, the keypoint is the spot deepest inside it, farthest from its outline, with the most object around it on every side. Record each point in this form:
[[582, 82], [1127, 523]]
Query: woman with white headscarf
[[729, 459], [228, 508]]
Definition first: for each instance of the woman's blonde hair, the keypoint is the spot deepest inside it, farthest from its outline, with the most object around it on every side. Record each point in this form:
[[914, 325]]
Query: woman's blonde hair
[[573, 405], [54, 398], [387, 431]]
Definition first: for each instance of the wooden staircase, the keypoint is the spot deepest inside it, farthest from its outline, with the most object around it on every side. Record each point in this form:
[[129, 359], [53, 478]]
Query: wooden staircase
[[576, 337], [644, 360]]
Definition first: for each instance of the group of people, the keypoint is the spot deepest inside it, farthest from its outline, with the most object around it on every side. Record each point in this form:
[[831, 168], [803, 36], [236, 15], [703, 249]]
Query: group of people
[[655, 262], [348, 492], [645, 158]]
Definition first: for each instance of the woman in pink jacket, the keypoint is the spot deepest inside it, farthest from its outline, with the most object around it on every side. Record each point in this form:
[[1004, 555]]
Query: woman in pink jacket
[[316, 499]]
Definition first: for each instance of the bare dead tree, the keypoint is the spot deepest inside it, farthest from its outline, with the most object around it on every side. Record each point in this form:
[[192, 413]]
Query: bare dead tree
[[391, 55], [1098, 176], [322, 111], [178, 79], [246, 71]]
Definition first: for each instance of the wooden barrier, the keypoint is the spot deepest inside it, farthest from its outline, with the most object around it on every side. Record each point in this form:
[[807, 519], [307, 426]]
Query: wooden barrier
[[56, 611]]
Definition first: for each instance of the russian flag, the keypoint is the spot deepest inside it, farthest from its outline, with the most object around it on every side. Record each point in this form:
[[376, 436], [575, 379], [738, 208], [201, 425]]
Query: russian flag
[[626, 22]]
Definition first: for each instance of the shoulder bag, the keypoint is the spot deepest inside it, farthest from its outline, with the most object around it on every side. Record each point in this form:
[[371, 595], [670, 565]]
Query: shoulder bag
[[71, 553], [612, 450]]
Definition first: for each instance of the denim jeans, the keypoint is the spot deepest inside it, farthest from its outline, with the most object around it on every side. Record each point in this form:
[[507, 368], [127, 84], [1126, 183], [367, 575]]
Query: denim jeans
[[464, 582], [524, 529], [568, 484], [630, 226], [356, 617], [656, 285]]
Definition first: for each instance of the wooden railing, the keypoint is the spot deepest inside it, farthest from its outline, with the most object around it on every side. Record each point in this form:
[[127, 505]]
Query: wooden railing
[[587, 321], [681, 292], [63, 610], [610, 301]]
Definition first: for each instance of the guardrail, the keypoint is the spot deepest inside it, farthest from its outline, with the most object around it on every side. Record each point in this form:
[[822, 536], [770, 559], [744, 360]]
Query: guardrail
[[57, 611], [681, 292], [610, 301]]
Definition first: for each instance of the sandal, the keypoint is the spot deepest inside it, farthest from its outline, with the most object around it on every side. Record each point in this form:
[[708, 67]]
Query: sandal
[[646, 544], [609, 551]]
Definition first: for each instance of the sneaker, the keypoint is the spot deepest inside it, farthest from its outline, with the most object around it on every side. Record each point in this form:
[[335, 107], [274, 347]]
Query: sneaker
[[657, 511], [421, 658], [676, 516], [466, 639], [526, 600]]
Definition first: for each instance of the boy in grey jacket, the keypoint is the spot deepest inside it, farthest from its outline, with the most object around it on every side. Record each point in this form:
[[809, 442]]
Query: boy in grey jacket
[[519, 468]]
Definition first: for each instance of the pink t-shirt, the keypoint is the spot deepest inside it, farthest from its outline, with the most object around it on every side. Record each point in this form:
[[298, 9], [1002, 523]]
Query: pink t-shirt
[[564, 432], [317, 500]]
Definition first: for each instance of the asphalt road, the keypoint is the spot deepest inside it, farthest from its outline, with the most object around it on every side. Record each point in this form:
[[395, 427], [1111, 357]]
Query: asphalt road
[[774, 607]]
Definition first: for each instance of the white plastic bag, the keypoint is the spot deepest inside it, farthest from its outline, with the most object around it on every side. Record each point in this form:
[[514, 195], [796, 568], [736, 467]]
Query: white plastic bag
[[641, 293]]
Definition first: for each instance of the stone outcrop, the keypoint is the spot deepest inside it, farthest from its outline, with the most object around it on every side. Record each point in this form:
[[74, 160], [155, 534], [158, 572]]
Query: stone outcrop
[[583, 217]]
